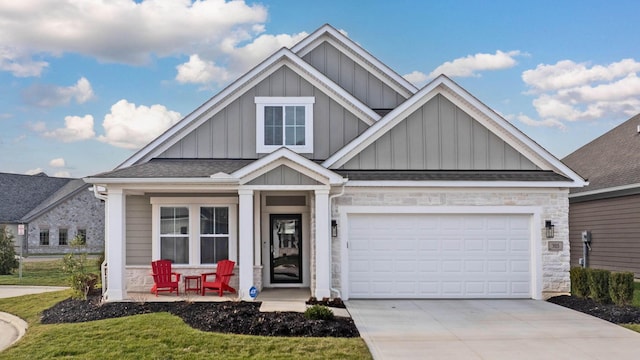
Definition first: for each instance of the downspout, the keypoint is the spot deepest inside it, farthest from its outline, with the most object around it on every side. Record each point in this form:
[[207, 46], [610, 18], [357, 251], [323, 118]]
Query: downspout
[[331, 197], [103, 266]]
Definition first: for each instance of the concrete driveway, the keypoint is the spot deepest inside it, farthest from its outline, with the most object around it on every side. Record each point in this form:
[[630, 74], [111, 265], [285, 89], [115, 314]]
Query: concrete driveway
[[487, 329]]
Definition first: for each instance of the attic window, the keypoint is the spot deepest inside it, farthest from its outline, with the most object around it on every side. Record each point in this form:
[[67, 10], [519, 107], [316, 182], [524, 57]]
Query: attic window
[[284, 121]]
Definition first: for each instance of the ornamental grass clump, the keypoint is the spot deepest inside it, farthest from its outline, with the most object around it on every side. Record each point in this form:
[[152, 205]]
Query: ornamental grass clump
[[319, 312]]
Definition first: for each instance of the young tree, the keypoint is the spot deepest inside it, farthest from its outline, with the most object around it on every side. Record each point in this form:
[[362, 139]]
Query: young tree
[[8, 260]]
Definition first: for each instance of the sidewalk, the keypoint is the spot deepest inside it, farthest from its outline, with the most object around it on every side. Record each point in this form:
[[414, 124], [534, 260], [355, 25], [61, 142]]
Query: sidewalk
[[12, 328]]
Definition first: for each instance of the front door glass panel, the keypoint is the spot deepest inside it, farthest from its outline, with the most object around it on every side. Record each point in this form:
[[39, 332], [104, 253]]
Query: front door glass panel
[[286, 248]]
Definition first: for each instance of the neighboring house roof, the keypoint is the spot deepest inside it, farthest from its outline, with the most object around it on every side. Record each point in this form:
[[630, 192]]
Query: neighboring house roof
[[21, 194], [68, 190], [611, 162]]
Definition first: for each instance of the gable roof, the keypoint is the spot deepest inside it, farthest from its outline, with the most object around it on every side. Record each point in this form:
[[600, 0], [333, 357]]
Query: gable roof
[[71, 188], [356, 53], [283, 57], [459, 96], [611, 162], [284, 156], [23, 194]]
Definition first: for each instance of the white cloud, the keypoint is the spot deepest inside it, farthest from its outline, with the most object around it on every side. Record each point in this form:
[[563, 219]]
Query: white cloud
[[568, 91], [546, 123], [49, 95], [124, 31], [62, 174], [57, 163], [234, 60], [131, 127], [468, 66], [568, 74], [199, 71], [33, 171], [76, 128], [19, 64]]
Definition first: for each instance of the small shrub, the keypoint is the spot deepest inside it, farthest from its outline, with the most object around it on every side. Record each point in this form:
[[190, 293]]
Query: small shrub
[[579, 282], [76, 265], [599, 285], [621, 288], [318, 312], [8, 261]]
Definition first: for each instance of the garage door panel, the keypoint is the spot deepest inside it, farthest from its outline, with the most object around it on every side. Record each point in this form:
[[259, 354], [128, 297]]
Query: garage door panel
[[439, 256]]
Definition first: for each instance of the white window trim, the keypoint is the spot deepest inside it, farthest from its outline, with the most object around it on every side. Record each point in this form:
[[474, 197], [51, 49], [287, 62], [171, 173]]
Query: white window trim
[[306, 101], [194, 204]]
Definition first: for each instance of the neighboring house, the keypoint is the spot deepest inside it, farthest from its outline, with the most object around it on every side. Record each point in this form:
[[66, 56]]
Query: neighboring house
[[323, 168], [609, 207], [52, 210]]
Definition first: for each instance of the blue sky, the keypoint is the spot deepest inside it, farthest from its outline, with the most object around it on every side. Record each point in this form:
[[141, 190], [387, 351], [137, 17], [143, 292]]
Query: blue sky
[[83, 84]]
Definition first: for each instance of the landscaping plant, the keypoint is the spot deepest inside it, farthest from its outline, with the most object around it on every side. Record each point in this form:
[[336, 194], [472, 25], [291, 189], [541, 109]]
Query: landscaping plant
[[76, 265], [8, 260], [318, 312], [599, 285], [579, 282], [621, 288]]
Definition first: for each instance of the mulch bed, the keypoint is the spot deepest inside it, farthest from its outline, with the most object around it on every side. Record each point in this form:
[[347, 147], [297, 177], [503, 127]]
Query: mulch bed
[[610, 312], [224, 317]]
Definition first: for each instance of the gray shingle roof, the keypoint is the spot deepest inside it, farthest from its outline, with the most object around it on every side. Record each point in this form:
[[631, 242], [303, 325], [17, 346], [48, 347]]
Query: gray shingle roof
[[177, 168], [611, 160], [454, 175], [22, 193], [67, 190]]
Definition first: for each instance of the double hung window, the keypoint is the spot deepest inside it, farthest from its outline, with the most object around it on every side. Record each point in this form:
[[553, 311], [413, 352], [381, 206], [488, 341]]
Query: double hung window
[[202, 233], [284, 121]]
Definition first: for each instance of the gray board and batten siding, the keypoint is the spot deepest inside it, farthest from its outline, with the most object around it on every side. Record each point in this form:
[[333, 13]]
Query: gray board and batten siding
[[353, 78], [138, 217], [439, 136], [231, 132], [283, 175], [614, 226]]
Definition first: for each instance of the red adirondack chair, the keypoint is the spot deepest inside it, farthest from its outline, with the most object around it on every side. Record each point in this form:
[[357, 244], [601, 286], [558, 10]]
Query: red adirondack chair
[[223, 274], [163, 277]]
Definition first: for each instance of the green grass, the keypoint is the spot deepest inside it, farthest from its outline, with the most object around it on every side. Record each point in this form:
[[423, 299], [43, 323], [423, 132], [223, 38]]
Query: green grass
[[636, 294], [43, 273], [155, 336]]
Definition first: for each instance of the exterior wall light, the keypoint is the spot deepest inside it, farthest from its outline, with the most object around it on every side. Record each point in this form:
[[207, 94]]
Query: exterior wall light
[[334, 228], [549, 227]]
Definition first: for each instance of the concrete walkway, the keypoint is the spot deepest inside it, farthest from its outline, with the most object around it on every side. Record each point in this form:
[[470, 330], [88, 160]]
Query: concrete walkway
[[487, 329], [12, 328]]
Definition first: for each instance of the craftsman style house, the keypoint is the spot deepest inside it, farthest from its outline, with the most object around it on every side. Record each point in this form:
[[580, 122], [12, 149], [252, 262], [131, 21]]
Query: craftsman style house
[[324, 169]]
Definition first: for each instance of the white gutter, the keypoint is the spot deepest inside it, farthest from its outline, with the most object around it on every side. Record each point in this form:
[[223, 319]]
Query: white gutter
[[606, 190]]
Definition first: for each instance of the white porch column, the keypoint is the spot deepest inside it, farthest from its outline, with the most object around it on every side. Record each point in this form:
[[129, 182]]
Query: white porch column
[[323, 256], [245, 235], [115, 242]]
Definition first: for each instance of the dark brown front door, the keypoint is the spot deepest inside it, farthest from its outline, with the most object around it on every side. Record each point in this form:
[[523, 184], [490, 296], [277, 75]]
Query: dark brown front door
[[286, 248]]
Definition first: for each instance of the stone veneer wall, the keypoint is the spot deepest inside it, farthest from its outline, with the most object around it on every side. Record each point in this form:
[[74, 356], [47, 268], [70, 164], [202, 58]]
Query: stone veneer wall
[[139, 279], [554, 204], [82, 211]]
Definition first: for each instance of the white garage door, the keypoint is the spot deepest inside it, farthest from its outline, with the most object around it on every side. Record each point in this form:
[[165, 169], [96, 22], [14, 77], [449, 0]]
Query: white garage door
[[439, 256]]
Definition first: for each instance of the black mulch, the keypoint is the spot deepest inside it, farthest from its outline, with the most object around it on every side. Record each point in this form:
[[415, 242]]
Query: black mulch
[[610, 312], [224, 317]]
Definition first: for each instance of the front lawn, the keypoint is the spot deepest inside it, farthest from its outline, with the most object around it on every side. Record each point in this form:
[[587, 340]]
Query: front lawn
[[156, 336], [42, 273]]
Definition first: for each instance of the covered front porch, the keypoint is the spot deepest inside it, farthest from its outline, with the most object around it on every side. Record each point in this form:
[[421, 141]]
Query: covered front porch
[[270, 216]]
